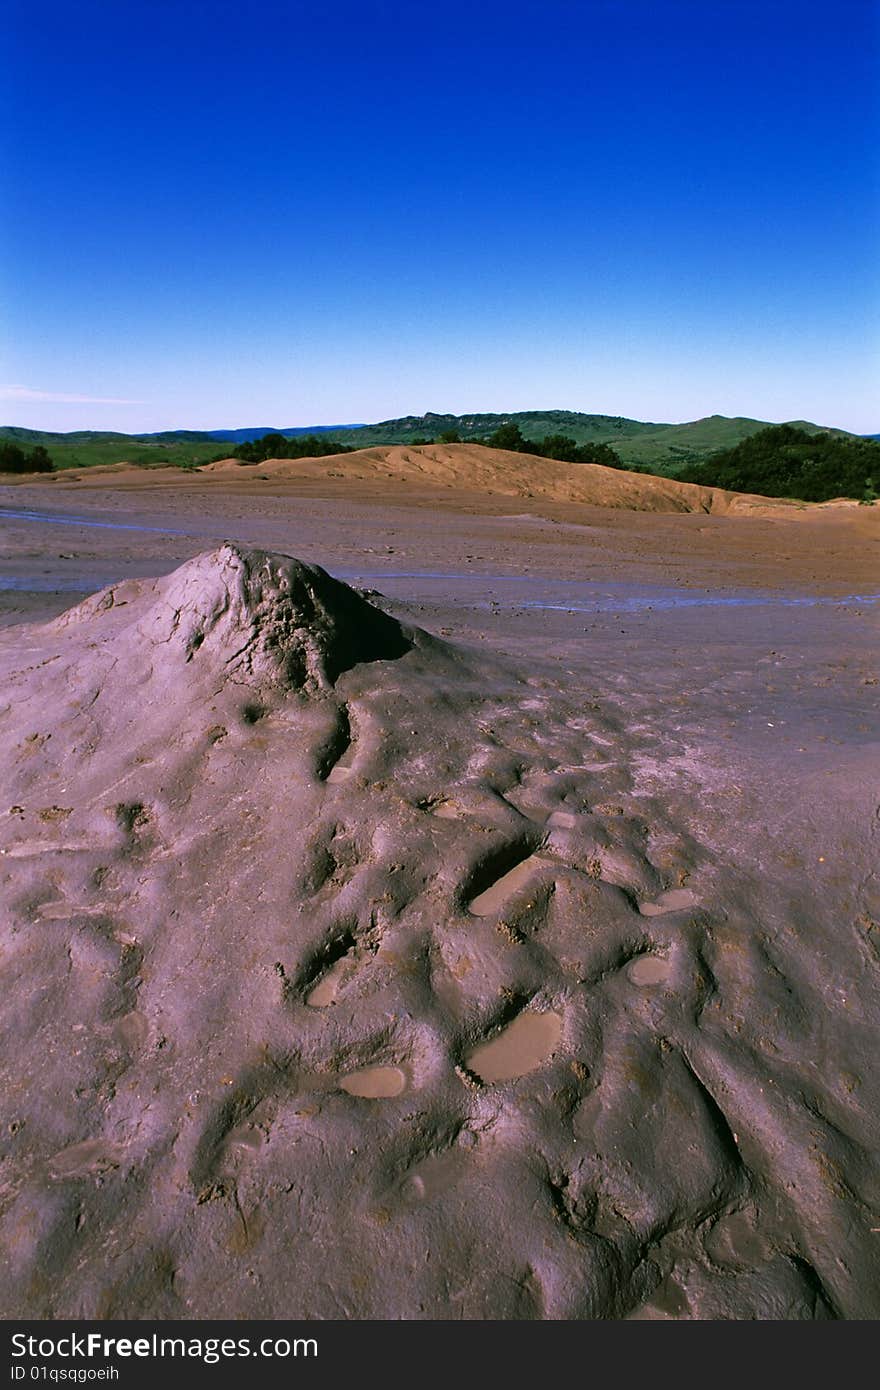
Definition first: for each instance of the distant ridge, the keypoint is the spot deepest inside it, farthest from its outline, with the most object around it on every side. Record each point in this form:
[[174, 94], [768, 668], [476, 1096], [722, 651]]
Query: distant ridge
[[662, 448], [244, 436]]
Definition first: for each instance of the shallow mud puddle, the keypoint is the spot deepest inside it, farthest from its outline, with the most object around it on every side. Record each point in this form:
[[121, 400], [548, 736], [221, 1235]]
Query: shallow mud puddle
[[433, 1176], [564, 820], [538, 592], [375, 1083], [327, 989], [493, 898], [648, 970], [522, 1046], [672, 901], [10, 514], [342, 770], [50, 584]]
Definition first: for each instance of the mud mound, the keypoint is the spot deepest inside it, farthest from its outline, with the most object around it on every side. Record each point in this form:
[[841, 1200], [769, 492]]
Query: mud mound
[[438, 469], [245, 615], [352, 974], [471, 467]]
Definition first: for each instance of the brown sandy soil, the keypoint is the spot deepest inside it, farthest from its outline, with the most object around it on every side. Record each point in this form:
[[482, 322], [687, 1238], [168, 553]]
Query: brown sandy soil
[[534, 964], [472, 470], [369, 504], [490, 471]]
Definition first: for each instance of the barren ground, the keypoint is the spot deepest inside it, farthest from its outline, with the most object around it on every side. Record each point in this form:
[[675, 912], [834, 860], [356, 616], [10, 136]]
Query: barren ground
[[525, 969]]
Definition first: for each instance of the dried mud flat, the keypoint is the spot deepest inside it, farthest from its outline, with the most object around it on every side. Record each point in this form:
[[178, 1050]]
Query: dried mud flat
[[352, 972]]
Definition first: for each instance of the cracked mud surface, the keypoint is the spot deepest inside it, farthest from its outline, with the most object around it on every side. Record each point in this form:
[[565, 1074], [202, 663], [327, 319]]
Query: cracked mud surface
[[333, 948]]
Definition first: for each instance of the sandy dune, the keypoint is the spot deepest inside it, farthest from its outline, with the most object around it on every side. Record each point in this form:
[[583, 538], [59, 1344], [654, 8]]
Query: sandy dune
[[331, 948], [474, 468], [460, 468]]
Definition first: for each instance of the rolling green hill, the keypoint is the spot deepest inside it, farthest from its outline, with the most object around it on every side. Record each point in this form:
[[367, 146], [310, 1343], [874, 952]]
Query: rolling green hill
[[535, 424], [653, 447], [658, 447], [84, 448], [673, 447]]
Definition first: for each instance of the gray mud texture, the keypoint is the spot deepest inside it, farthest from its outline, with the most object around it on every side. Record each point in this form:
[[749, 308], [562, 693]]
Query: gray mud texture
[[349, 972]]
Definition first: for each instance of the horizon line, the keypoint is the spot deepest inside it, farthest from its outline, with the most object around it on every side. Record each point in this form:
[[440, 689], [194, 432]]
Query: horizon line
[[461, 415]]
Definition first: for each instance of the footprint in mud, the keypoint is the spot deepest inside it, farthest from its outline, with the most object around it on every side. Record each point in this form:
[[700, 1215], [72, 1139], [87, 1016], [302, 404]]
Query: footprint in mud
[[328, 971], [327, 989], [433, 1175], [132, 1030], [342, 771], [521, 1047], [736, 1241], [649, 969], [335, 761], [60, 911], [81, 1160], [375, 1083], [668, 1302], [671, 901], [246, 1138], [492, 898]]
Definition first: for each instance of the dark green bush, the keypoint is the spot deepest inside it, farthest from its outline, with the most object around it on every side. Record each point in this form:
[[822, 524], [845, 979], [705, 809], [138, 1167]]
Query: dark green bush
[[784, 461], [278, 446], [15, 460]]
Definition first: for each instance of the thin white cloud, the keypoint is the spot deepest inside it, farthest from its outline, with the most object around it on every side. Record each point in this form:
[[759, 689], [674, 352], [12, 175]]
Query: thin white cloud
[[24, 393]]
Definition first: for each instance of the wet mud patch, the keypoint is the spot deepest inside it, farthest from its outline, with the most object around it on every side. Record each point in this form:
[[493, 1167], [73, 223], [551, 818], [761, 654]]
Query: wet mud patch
[[521, 1046], [375, 1083]]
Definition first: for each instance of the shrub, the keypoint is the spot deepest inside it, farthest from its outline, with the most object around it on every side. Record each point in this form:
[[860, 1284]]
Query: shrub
[[784, 461], [15, 460]]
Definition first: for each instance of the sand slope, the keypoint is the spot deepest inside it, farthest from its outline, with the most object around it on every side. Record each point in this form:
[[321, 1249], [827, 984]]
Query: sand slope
[[475, 468], [464, 470], [345, 975]]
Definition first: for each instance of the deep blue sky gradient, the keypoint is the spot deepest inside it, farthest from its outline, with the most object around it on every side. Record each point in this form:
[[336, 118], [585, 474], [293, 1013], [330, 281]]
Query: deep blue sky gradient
[[295, 213]]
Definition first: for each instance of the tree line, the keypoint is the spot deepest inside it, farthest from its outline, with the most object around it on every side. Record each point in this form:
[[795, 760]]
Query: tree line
[[16, 460], [553, 446], [278, 446], [784, 461], [780, 461]]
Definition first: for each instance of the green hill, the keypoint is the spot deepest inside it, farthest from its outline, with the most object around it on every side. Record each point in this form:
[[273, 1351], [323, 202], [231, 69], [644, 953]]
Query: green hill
[[649, 446], [84, 448], [785, 461], [656, 447], [673, 447], [534, 424]]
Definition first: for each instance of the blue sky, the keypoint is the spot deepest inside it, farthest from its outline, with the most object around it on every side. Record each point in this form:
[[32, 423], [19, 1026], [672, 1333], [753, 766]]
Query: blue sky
[[222, 214]]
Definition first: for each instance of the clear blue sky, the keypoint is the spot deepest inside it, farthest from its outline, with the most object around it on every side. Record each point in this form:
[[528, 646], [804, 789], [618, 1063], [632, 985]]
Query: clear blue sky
[[224, 214]]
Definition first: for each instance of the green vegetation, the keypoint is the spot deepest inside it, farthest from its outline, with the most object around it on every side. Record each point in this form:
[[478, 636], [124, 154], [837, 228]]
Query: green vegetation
[[506, 436], [85, 448], [785, 461], [668, 450], [553, 446], [777, 461], [14, 459], [533, 425], [278, 446], [639, 445]]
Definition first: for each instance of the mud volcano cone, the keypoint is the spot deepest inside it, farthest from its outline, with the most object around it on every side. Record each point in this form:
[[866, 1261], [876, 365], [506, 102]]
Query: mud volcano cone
[[339, 980]]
